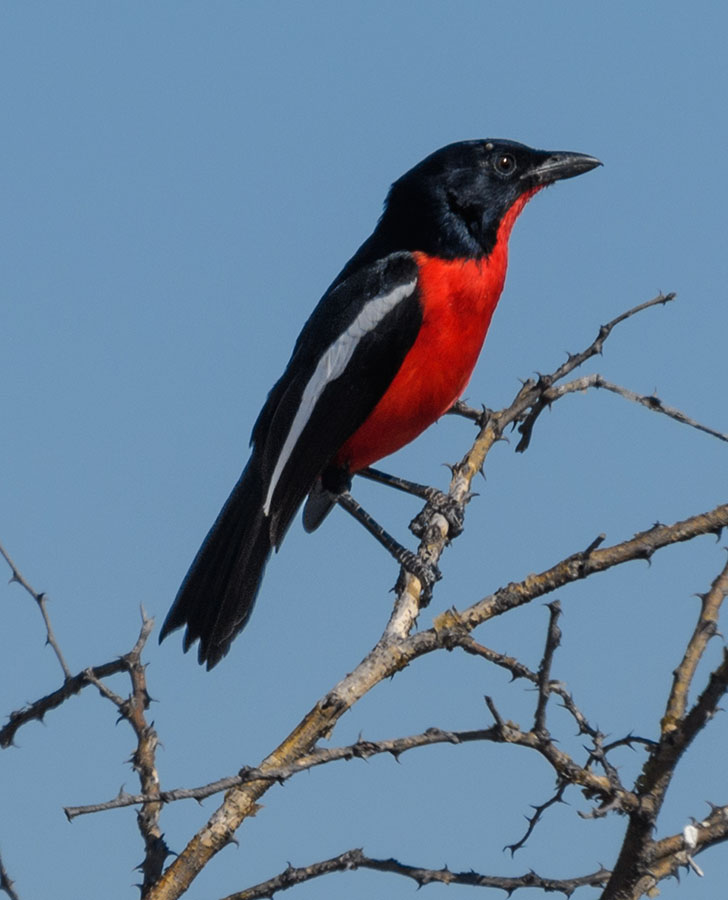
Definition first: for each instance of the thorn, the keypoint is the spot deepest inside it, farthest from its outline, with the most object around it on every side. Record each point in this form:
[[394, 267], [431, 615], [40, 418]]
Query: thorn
[[599, 539]]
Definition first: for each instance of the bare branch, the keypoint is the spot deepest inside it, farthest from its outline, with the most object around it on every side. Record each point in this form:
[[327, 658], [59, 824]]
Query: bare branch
[[105, 691], [356, 859], [398, 646], [573, 362], [7, 885], [320, 756], [553, 640], [390, 656], [518, 670], [650, 401], [533, 820], [132, 709], [41, 601], [705, 629], [36, 711], [678, 732], [573, 568], [670, 853]]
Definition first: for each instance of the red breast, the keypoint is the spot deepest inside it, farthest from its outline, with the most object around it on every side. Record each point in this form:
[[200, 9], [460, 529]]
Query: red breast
[[458, 298]]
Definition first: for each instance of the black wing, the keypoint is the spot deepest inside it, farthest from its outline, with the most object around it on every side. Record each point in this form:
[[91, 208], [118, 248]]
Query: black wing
[[344, 360], [363, 329]]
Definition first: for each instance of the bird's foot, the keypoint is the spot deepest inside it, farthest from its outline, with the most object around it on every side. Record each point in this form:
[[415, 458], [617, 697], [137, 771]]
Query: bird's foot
[[428, 574], [451, 510]]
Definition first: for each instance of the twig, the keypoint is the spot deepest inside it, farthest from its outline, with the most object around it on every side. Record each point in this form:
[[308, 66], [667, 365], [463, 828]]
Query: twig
[[320, 756], [533, 820], [132, 708], [518, 670], [705, 628], [553, 640], [387, 659], [573, 568], [599, 754], [37, 710], [649, 401], [356, 859], [398, 648], [7, 885], [461, 408], [677, 733], [40, 600], [670, 853], [573, 362]]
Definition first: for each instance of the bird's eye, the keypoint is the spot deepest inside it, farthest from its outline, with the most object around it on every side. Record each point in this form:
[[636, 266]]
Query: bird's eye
[[505, 164]]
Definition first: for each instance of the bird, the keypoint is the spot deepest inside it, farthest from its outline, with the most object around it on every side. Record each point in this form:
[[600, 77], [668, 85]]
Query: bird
[[386, 352]]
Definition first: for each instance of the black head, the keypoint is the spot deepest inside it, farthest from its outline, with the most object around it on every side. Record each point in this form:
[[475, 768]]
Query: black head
[[453, 202]]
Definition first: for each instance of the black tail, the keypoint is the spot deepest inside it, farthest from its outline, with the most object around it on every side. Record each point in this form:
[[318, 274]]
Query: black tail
[[218, 593]]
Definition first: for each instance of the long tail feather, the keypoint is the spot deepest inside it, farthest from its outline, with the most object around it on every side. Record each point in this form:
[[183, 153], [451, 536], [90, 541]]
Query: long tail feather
[[217, 596]]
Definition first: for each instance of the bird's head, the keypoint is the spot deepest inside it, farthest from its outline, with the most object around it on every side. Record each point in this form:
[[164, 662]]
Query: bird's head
[[460, 195]]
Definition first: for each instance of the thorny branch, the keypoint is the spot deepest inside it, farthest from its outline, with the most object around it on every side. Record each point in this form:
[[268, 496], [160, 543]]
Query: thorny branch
[[544, 670], [650, 401], [7, 885], [356, 859], [36, 711], [132, 709], [705, 629], [670, 854], [544, 383], [399, 646], [518, 670], [41, 601], [452, 630], [538, 812], [362, 749], [679, 728]]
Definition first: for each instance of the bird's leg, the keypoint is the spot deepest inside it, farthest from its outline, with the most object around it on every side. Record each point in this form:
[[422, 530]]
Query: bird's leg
[[427, 574], [440, 501]]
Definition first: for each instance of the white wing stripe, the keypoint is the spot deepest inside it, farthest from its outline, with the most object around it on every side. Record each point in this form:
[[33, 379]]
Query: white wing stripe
[[330, 367]]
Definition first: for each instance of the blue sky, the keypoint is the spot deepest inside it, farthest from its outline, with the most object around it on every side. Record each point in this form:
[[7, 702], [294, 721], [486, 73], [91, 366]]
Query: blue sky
[[180, 182]]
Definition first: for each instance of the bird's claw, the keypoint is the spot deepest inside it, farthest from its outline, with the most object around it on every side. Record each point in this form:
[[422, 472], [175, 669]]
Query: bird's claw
[[442, 503], [428, 574]]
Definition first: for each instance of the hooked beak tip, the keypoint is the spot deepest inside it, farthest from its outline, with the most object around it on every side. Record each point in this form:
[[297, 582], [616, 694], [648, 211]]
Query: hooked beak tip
[[558, 166]]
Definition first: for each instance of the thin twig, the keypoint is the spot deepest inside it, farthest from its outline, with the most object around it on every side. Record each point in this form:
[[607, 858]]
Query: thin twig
[[518, 670], [573, 362], [104, 690], [677, 734], [356, 859], [7, 885], [449, 625], [538, 813], [705, 628], [41, 601], [553, 639], [398, 648], [132, 709], [36, 711], [320, 756], [649, 401]]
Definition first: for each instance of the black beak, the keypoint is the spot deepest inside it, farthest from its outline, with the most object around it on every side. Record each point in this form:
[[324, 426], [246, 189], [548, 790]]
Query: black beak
[[559, 165]]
